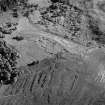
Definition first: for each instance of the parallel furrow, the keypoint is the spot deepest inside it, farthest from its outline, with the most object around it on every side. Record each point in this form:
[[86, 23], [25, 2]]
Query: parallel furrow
[[32, 83]]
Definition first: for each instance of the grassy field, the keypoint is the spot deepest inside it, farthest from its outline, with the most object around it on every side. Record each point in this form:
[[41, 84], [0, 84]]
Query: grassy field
[[65, 79]]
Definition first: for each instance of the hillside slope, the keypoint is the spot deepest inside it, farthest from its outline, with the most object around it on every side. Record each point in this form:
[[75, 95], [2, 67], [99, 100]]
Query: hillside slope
[[61, 80]]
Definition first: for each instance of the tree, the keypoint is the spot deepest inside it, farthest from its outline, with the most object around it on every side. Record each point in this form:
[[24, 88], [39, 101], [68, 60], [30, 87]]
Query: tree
[[8, 61]]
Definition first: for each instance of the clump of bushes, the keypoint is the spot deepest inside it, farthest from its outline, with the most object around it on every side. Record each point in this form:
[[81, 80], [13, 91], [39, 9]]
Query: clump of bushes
[[8, 61], [10, 4], [96, 33], [7, 4]]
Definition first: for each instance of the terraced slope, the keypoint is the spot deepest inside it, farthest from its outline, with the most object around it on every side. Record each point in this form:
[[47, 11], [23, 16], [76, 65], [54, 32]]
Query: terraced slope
[[61, 80]]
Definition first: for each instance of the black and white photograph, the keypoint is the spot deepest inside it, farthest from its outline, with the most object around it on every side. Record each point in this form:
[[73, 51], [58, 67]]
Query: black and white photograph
[[52, 52]]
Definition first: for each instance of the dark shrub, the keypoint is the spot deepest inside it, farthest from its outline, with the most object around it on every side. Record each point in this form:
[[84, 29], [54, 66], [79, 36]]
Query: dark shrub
[[18, 38]]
